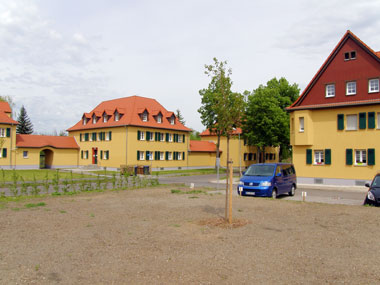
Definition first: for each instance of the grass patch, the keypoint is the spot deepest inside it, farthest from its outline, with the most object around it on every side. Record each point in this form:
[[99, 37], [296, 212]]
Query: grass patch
[[178, 191], [40, 174], [188, 172], [62, 211], [32, 205]]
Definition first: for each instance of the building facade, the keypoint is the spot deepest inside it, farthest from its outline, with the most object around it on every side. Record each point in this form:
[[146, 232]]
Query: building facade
[[131, 131], [335, 123]]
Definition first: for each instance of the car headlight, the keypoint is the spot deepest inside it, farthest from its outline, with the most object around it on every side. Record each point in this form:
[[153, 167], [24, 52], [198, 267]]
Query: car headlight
[[370, 196], [266, 183], [241, 183]]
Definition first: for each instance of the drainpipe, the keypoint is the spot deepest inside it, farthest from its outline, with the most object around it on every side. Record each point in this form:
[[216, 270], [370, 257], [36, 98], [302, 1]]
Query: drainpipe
[[126, 145], [11, 148]]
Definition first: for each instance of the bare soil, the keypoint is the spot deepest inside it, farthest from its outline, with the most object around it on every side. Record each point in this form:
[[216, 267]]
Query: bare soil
[[151, 236]]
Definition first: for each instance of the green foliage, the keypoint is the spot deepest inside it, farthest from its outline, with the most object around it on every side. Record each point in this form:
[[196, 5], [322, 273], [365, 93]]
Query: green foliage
[[25, 126], [266, 122], [195, 135], [180, 117], [32, 205]]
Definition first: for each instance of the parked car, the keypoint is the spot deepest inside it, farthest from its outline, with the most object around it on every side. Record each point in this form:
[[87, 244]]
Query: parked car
[[373, 195], [268, 180]]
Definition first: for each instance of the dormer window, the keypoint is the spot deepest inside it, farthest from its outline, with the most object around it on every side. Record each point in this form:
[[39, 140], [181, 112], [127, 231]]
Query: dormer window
[[144, 116], [84, 121], [349, 55], [117, 116], [105, 118], [94, 119], [172, 120], [159, 118]]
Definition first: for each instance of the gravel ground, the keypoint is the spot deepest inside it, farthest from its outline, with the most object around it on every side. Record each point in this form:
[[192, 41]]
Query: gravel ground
[[151, 236]]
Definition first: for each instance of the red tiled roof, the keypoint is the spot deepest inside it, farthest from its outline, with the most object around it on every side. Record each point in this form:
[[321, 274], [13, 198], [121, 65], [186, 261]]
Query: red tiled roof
[[202, 146], [37, 141], [329, 59], [130, 107], [237, 131], [4, 106], [5, 110]]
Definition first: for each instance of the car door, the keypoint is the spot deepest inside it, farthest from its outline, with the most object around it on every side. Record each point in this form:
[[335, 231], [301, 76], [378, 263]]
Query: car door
[[287, 178], [279, 180]]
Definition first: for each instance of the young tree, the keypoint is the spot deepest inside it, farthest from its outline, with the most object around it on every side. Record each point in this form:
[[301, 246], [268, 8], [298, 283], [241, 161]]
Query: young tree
[[195, 135], [25, 126], [222, 109], [266, 121], [180, 117]]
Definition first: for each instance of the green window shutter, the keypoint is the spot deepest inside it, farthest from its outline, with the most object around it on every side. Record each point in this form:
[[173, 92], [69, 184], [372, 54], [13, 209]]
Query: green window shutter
[[167, 155], [371, 120], [80, 137], [8, 132], [138, 155], [148, 136], [155, 136], [159, 136], [327, 156], [4, 152], [183, 155], [147, 155], [183, 140], [108, 154], [371, 156], [340, 122], [138, 135], [104, 136], [110, 135], [86, 137], [101, 154], [81, 154], [348, 156], [167, 137], [362, 120], [309, 158], [155, 154]]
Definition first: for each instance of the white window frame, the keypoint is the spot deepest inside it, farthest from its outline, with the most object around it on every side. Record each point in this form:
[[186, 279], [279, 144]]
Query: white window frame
[[151, 137], [142, 136], [84, 121], [85, 155], [179, 138], [144, 116], [2, 133], [159, 119], [370, 90], [107, 136], [348, 126], [302, 124], [1, 153], [117, 116], [162, 155], [329, 90], [142, 155], [105, 118], [25, 154], [162, 137], [172, 120], [170, 137], [94, 119], [170, 155], [351, 88], [179, 155], [361, 157], [378, 120], [150, 155], [319, 157]]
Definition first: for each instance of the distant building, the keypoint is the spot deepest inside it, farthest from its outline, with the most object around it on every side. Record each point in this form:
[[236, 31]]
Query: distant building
[[335, 123]]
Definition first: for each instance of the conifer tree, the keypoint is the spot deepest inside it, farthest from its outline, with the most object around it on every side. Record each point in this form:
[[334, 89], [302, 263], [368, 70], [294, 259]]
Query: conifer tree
[[25, 126]]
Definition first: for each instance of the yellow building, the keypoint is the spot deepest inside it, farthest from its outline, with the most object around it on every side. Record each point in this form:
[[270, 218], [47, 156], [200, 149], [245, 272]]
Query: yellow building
[[241, 154], [7, 136], [335, 123], [131, 131]]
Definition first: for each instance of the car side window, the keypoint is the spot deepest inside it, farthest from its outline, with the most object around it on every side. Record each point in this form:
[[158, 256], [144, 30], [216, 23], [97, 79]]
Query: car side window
[[285, 170], [278, 170], [376, 181]]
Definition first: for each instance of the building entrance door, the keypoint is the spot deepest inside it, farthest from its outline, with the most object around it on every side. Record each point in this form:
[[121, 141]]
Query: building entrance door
[[94, 155]]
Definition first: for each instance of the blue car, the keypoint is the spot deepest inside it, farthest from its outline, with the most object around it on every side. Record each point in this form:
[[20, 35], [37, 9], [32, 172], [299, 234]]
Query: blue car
[[268, 180]]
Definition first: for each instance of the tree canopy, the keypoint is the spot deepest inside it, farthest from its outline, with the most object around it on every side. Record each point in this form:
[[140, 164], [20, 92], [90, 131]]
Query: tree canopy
[[266, 122], [25, 126], [180, 118]]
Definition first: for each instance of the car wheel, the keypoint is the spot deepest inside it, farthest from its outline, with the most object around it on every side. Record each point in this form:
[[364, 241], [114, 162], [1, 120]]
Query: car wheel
[[292, 191], [274, 193]]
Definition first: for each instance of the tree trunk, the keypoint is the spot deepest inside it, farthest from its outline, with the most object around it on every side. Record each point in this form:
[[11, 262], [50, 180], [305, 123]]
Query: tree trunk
[[217, 162], [227, 180], [263, 152]]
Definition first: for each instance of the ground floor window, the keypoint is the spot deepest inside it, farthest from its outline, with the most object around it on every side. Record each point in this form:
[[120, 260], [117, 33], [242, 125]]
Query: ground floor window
[[318, 157], [360, 157], [25, 154], [162, 155]]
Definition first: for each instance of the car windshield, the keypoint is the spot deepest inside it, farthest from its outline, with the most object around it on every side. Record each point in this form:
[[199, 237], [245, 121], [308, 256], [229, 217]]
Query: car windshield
[[376, 182], [260, 170]]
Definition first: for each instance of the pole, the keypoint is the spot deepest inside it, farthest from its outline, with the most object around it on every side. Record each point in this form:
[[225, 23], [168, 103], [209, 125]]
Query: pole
[[230, 194]]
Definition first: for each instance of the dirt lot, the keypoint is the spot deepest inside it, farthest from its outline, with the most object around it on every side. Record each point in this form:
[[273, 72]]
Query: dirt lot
[[151, 236]]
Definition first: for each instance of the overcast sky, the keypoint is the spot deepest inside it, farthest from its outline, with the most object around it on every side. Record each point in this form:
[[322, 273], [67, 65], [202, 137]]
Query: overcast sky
[[62, 58]]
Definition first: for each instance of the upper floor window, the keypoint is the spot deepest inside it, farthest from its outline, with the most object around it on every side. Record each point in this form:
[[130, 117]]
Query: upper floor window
[[319, 157], [352, 122], [84, 121], [330, 90], [302, 124], [172, 120], [350, 55], [144, 116], [159, 118], [351, 88], [373, 85], [117, 116], [105, 118], [94, 119], [2, 132]]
